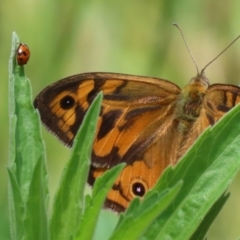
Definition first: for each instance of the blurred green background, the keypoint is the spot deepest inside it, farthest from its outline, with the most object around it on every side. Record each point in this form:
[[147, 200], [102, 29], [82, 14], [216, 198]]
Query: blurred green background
[[134, 37]]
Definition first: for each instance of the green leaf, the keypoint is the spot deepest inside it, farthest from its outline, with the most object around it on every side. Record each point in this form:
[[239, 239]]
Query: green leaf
[[26, 165], [106, 224], [16, 208], [95, 203], [207, 169], [26, 140], [69, 200], [14, 193], [35, 218], [201, 231]]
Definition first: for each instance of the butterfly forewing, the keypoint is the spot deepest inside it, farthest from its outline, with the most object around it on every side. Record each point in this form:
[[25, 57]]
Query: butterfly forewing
[[63, 105]]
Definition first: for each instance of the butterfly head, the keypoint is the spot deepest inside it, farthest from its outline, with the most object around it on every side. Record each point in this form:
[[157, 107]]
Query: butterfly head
[[200, 81]]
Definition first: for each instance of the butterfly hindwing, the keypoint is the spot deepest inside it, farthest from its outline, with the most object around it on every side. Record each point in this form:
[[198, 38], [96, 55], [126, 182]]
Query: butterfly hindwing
[[220, 98]]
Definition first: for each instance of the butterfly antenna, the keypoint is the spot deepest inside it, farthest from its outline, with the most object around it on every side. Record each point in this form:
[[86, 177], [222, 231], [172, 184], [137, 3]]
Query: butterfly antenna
[[221, 53], [184, 39]]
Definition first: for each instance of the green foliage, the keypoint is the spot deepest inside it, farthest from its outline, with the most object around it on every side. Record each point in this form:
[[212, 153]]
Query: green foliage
[[182, 205], [135, 37], [209, 218], [28, 194]]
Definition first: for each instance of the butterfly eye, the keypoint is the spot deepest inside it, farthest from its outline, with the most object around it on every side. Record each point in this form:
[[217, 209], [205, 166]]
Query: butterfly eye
[[67, 102], [139, 188]]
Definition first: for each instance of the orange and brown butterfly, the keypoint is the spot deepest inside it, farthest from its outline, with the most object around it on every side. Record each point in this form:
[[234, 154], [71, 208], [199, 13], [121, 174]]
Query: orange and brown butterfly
[[148, 123]]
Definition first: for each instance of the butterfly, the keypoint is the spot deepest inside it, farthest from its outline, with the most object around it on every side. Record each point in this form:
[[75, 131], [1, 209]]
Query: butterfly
[[148, 123]]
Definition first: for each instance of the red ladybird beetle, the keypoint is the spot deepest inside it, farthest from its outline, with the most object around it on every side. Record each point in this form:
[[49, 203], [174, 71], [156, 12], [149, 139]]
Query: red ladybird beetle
[[23, 54]]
